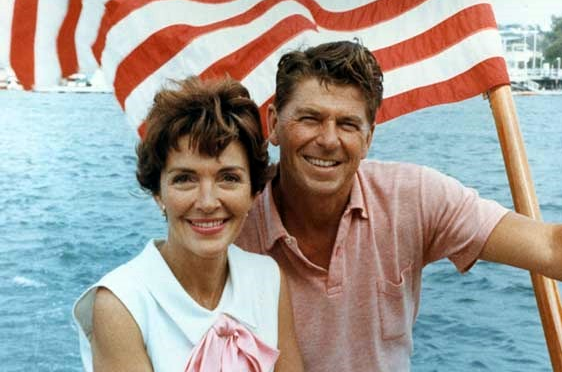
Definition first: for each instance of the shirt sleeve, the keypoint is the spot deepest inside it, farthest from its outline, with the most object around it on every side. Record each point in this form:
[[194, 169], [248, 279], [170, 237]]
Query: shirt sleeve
[[456, 220]]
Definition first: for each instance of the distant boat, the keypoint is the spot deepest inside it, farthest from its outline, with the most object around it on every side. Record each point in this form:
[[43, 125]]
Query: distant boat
[[8, 80], [78, 83]]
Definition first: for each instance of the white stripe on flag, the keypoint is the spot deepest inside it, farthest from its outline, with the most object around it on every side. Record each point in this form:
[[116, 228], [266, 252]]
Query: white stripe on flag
[[86, 33], [6, 14], [50, 14], [445, 65], [207, 49], [410, 24], [122, 41]]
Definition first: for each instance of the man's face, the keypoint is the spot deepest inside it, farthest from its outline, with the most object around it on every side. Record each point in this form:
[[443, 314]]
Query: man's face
[[323, 133]]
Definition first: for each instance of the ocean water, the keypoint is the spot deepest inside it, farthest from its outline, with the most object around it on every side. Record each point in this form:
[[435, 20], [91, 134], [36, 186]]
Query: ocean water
[[71, 211]]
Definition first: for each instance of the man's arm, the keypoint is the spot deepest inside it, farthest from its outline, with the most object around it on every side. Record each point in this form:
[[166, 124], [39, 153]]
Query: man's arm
[[525, 243], [290, 358]]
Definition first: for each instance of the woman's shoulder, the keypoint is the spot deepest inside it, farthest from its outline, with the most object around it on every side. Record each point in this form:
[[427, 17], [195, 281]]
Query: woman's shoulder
[[122, 284], [129, 274], [250, 268], [259, 261]]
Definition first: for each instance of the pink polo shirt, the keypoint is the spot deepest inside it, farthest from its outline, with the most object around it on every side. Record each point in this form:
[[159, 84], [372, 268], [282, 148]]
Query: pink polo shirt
[[359, 314]]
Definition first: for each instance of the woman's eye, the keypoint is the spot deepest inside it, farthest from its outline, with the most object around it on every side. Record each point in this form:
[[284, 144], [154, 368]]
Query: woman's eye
[[228, 177], [183, 178]]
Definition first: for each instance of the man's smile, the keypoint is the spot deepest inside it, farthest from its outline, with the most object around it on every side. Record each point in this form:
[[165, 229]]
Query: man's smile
[[321, 162]]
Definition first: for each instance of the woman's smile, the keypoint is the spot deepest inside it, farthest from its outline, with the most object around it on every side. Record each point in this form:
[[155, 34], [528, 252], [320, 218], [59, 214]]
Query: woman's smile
[[207, 226]]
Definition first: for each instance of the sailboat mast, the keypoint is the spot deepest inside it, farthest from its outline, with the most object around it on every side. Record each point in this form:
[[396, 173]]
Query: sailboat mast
[[526, 202]]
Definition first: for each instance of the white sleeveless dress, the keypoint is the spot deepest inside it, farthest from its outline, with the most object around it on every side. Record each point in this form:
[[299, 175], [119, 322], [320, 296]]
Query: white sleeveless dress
[[171, 322]]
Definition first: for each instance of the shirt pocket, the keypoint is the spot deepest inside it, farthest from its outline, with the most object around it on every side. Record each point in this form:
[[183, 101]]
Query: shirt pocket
[[395, 305]]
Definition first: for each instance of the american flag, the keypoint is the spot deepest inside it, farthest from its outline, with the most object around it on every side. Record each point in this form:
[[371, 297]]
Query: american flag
[[431, 51], [44, 40]]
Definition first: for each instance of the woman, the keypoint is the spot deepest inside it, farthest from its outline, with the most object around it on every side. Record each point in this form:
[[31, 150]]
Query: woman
[[195, 302]]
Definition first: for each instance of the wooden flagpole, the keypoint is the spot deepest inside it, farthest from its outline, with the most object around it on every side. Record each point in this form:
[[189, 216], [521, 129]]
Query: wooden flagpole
[[525, 202]]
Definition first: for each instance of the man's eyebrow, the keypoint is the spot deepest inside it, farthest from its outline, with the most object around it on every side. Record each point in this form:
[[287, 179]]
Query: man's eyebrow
[[306, 110], [354, 118]]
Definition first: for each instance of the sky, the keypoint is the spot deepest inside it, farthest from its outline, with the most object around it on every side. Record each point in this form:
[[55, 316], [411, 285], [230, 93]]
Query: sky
[[527, 12]]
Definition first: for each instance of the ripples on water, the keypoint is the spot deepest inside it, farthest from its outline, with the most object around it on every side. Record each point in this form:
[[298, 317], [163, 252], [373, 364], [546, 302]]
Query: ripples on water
[[71, 211]]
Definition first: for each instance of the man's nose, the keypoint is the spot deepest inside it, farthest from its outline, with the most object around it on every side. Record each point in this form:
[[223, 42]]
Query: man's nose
[[328, 136]]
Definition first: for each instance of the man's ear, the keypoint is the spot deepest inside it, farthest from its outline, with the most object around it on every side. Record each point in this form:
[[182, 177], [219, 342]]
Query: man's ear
[[368, 141], [272, 124]]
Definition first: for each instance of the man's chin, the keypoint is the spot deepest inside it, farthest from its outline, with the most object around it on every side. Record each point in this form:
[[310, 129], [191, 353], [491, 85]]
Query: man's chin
[[324, 188]]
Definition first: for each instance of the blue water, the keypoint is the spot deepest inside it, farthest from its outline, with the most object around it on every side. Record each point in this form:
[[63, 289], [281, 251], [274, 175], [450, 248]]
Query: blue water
[[71, 210]]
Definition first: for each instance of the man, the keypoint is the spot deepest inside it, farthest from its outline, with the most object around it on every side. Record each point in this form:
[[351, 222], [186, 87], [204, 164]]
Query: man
[[353, 236]]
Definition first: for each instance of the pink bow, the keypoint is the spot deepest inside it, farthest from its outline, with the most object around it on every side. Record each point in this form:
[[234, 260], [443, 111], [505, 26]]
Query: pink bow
[[229, 347]]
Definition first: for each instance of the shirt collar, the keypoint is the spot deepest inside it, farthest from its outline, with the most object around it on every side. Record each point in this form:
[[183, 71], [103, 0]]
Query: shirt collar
[[357, 197], [274, 227], [193, 319]]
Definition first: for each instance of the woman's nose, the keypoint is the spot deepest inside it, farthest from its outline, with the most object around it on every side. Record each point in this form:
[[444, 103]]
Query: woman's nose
[[208, 200]]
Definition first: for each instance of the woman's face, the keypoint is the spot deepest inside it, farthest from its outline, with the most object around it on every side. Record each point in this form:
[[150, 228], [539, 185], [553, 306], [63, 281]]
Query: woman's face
[[206, 198]]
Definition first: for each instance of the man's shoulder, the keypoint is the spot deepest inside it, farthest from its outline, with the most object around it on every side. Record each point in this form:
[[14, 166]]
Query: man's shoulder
[[389, 171], [374, 165]]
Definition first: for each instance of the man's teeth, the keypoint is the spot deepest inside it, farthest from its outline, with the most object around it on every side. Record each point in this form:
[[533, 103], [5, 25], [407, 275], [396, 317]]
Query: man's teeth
[[321, 163], [207, 225]]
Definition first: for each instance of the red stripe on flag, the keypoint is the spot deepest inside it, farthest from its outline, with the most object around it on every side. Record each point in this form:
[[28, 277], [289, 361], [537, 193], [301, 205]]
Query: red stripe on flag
[[353, 19], [115, 10], [480, 78], [360, 17], [146, 58], [141, 130], [435, 40], [213, 1], [66, 44], [22, 46], [241, 62]]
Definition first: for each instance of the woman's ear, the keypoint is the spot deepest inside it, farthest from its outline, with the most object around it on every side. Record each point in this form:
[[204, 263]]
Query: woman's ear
[[161, 205], [159, 202]]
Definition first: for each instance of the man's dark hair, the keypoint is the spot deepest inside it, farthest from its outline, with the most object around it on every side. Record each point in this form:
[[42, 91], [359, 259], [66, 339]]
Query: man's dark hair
[[338, 63]]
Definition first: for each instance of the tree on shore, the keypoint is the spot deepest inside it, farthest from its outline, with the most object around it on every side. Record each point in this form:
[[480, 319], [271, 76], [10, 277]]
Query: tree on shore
[[553, 41]]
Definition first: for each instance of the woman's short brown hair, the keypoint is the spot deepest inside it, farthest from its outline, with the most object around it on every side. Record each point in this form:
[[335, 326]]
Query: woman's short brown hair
[[213, 113]]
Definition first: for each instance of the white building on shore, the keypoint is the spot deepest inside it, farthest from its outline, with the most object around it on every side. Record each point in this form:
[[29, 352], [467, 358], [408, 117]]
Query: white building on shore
[[525, 61]]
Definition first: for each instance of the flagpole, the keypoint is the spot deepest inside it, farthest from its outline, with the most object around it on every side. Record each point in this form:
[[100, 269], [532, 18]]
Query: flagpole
[[525, 202]]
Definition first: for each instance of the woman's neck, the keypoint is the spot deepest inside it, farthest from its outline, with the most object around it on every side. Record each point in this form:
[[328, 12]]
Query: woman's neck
[[203, 279]]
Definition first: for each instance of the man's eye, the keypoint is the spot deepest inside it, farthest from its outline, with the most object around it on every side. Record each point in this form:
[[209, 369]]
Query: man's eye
[[350, 126], [308, 119]]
